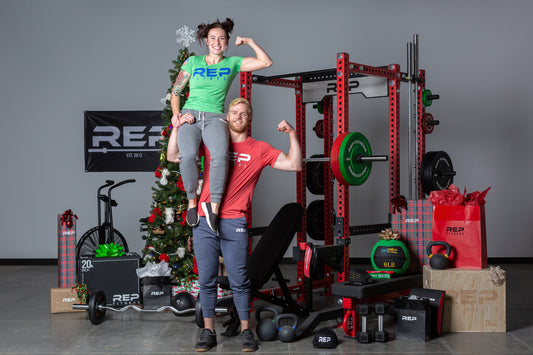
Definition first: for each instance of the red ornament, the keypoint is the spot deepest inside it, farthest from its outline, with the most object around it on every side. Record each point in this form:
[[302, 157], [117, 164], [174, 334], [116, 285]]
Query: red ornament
[[184, 218], [164, 257], [158, 172], [194, 266], [180, 185]]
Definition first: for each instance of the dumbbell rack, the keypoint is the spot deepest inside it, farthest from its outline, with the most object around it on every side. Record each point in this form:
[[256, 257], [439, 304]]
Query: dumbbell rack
[[311, 87]]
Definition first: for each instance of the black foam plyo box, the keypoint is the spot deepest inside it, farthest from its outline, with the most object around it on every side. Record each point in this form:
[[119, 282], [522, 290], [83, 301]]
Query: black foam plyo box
[[116, 276]]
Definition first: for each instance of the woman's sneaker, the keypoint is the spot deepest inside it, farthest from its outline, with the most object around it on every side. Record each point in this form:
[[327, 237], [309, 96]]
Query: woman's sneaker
[[208, 339], [248, 341], [192, 217], [212, 218]]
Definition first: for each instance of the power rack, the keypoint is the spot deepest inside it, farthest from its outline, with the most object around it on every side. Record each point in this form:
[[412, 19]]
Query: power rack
[[320, 86]]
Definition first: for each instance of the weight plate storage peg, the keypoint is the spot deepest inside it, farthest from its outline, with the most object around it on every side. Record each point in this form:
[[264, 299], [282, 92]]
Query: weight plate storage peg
[[96, 303], [319, 128], [346, 162], [428, 123], [436, 171], [315, 175], [428, 97]]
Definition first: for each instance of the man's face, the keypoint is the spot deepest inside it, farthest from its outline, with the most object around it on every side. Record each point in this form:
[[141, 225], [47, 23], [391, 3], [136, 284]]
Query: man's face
[[238, 118]]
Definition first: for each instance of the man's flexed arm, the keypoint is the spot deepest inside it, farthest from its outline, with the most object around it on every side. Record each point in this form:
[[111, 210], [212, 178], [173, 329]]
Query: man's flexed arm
[[292, 161]]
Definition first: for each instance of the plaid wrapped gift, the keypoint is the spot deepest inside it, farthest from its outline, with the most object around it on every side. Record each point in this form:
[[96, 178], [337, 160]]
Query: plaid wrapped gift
[[66, 249], [414, 225]]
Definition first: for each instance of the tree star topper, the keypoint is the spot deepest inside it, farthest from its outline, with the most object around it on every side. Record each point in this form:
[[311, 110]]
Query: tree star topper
[[185, 36]]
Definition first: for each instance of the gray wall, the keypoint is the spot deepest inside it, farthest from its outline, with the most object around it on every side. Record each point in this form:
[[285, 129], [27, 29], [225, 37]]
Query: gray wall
[[59, 58]]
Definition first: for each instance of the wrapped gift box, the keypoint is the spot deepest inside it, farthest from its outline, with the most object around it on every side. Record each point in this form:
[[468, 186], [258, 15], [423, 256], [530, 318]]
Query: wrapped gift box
[[62, 299]]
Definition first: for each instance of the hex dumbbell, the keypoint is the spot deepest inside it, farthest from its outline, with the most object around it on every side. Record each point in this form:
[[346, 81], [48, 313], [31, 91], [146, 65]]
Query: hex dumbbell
[[381, 309], [364, 335]]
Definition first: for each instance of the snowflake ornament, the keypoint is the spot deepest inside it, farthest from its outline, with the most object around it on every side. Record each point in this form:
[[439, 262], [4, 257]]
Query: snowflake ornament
[[185, 36]]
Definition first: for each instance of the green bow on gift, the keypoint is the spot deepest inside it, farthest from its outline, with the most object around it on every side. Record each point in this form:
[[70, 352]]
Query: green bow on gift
[[109, 250]]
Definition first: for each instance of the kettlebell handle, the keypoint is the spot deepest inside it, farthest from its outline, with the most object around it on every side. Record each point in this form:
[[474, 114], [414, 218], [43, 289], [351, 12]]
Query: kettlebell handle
[[287, 315], [439, 243], [266, 309]]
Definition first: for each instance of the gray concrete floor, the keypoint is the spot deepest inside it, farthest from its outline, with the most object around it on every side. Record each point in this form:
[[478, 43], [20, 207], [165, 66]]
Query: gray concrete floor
[[27, 327]]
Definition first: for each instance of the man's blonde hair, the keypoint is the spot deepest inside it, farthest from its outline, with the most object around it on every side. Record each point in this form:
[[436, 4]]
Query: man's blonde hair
[[240, 100]]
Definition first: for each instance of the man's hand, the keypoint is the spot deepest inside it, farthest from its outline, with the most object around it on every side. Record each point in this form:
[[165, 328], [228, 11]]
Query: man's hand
[[284, 126], [179, 119]]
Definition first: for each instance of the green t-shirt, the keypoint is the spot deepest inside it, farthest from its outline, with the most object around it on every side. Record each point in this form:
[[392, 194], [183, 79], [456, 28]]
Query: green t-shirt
[[209, 84]]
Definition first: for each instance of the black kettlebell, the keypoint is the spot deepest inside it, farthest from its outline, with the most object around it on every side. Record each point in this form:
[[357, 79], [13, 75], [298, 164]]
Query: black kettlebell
[[266, 328], [438, 261], [287, 333]]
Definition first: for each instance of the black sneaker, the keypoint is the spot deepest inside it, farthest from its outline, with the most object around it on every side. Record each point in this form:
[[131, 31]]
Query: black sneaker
[[248, 341], [212, 218], [208, 339], [192, 217]]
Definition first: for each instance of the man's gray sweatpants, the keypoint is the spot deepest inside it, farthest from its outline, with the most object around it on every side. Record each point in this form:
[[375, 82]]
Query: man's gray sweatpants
[[232, 241]]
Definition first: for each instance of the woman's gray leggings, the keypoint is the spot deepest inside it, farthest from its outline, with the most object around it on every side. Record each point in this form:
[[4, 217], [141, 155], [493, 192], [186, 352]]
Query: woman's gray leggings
[[212, 129]]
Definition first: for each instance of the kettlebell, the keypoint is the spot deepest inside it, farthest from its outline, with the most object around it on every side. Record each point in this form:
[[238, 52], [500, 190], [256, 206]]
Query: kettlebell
[[287, 333], [266, 328], [438, 261]]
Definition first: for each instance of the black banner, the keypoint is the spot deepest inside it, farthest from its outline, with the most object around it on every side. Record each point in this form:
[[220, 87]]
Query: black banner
[[122, 140]]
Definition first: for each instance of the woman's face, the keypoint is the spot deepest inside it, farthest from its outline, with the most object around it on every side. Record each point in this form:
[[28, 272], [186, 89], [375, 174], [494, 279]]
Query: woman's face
[[217, 41]]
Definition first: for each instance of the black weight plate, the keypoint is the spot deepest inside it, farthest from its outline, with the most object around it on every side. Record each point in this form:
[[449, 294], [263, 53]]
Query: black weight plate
[[183, 301], [315, 175], [426, 172], [315, 220], [436, 171], [198, 314], [96, 299]]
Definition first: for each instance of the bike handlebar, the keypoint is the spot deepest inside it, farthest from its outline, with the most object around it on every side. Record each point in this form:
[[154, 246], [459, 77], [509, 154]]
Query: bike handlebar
[[107, 183], [119, 184]]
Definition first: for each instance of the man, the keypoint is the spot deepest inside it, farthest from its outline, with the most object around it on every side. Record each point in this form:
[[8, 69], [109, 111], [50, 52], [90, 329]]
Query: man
[[248, 157]]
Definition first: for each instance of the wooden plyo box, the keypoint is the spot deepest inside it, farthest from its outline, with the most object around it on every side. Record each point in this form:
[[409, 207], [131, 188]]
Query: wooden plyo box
[[473, 303]]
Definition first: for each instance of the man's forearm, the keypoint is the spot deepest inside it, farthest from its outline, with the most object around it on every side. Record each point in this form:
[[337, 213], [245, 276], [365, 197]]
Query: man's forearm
[[172, 147]]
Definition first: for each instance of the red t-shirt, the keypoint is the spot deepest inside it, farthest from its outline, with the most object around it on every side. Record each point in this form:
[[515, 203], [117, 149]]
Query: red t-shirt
[[247, 160]]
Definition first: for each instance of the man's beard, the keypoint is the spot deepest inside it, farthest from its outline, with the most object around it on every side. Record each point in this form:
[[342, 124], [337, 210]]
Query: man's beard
[[238, 129]]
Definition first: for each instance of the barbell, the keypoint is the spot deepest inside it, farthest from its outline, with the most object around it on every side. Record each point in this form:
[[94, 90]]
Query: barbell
[[350, 159], [96, 307]]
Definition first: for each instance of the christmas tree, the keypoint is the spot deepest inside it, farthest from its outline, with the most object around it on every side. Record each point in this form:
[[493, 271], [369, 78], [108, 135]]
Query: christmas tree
[[169, 237]]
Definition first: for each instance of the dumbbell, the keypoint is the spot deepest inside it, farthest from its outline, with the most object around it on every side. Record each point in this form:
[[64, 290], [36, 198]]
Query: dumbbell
[[381, 309], [364, 336]]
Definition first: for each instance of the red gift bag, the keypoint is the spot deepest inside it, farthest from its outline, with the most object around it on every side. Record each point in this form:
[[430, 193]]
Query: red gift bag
[[463, 227]]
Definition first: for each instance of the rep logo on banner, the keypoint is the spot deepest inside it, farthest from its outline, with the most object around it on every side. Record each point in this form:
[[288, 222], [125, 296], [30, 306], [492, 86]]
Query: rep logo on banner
[[122, 140]]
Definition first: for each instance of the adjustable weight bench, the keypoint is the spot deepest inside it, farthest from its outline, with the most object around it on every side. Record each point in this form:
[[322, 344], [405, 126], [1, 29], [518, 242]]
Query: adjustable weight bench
[[264, 261]]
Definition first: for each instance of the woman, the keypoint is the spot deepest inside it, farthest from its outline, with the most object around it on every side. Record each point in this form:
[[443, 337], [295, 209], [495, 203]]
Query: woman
[[202, 117]]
